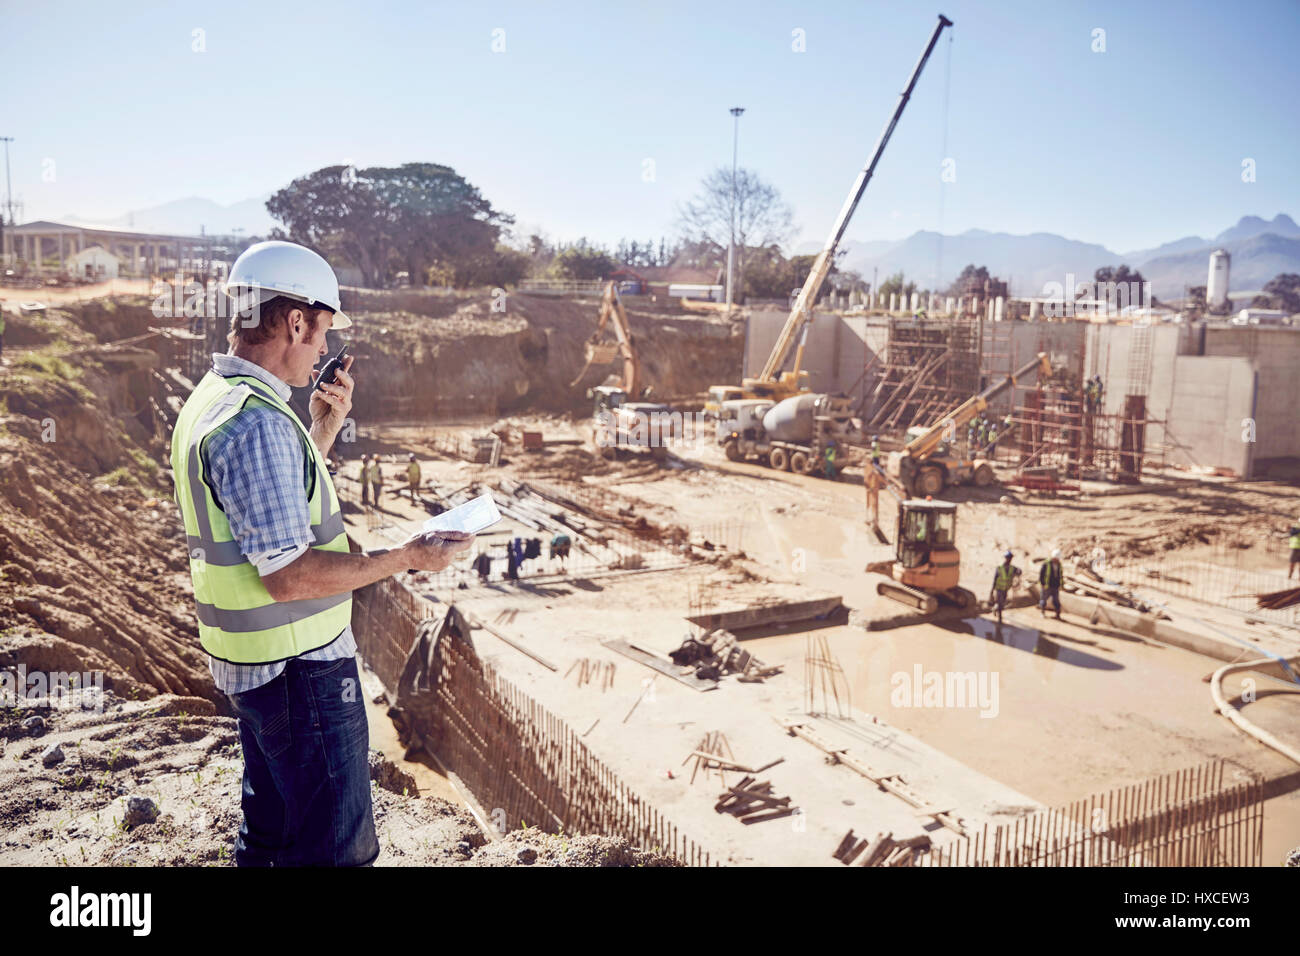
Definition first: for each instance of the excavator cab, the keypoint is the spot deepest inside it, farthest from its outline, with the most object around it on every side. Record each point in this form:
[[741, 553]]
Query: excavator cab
[[923, 527]]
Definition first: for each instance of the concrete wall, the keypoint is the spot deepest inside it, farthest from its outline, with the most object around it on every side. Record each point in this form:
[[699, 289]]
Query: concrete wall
[[1202, 402], [1211, 395], [839, 348], [1276, 357]]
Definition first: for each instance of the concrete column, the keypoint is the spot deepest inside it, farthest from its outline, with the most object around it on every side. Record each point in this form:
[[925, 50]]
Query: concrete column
[[37, 252], [998, 306], [893, 302], [135, 258]]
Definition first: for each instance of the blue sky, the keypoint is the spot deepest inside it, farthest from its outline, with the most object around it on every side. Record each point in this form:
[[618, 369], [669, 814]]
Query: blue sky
[[1129, 148]]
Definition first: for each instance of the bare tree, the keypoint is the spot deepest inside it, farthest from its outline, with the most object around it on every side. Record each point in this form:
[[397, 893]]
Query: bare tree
[[763, 218]]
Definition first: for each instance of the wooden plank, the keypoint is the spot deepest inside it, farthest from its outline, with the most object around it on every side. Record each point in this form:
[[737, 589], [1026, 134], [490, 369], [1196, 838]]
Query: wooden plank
[[660, 664]]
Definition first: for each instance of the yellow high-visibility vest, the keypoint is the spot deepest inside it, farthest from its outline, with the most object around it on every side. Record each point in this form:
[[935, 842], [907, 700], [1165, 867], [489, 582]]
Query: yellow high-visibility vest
[[239, 621]]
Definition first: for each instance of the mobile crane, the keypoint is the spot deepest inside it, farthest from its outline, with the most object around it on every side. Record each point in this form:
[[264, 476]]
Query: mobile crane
[[771, 383]]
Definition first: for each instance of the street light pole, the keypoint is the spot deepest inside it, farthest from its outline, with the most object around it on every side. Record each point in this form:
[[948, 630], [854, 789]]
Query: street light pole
[[9, 199], [731, 246]]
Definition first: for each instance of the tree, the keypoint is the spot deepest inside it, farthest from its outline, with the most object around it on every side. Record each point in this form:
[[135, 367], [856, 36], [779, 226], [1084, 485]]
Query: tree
[[417, 216], [762, 217], [583, 260], [894, 284], [970, 278], [1280, 292]]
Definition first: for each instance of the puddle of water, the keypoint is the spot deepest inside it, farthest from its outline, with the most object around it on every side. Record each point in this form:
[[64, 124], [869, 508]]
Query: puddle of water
[[1032, 641]]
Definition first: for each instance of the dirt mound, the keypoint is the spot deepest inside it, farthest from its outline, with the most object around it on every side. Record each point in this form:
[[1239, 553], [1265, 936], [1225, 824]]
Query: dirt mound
[[432, 354], [91, 549], [157, 783]]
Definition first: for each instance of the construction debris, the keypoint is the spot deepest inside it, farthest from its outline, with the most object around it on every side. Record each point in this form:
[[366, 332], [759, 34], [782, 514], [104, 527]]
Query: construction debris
[[1279, 600], [751, 801], [589, 667], [881, 850], [718, 653]]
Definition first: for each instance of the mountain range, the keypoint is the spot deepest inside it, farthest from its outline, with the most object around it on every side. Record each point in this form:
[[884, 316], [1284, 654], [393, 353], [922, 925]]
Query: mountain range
[[1260, 249], [194, 216]]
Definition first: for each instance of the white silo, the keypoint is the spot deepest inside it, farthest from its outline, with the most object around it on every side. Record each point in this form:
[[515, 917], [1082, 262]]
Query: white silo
[[1216, 286]]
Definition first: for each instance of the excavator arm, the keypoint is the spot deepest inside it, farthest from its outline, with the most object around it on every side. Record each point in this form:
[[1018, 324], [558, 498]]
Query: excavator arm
[[924, 445], [611, 311]]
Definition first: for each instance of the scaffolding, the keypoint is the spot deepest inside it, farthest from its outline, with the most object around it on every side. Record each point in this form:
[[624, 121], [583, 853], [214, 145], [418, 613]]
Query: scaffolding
[[1055, 430], [930, 366]]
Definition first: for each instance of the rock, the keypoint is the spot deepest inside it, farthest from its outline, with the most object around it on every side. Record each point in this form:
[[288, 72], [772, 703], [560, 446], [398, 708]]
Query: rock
[[527, 856], [34, 726], [139, 810], [464, 849], [51, 755], [28, 605]]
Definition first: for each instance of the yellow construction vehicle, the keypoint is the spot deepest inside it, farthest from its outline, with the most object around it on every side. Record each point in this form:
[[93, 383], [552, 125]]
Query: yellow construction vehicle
[[928, 463], [619, 420], [771, 383], [927, 565]]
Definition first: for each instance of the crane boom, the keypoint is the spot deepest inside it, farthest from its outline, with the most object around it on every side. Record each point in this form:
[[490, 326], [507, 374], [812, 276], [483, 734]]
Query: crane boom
[[802, 310], [924, 445]]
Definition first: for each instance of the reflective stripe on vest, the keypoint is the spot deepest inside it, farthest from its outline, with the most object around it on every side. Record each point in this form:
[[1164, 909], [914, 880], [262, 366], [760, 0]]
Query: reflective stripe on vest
[[1003, 578], [1295, 541], [1050, 576], [239, 621]]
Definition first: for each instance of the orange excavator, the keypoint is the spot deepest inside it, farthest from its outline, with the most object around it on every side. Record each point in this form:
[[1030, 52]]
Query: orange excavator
[[619, 420]]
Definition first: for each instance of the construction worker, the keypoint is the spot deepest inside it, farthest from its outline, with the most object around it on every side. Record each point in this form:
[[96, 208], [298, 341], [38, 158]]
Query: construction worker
[[1004, 578], [828, 460], [272, 572], [1098, 392], [1294, 541], [1050, 577], [413, 475], [365, 480], [875, 451], [376, 478]]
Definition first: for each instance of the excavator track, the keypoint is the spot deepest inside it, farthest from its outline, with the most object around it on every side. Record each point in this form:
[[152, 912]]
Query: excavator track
[[911, 597]]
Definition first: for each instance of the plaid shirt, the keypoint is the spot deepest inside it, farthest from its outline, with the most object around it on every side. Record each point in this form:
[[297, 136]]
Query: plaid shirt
[[256, 467]]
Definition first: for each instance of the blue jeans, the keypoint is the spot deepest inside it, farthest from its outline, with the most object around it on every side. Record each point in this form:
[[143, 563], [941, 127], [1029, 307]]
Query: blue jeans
[[306, 788], [1049, 594]]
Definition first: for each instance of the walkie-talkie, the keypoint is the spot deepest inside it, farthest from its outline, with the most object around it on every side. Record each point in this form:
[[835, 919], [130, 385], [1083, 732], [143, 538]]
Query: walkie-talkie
[[326, 376]]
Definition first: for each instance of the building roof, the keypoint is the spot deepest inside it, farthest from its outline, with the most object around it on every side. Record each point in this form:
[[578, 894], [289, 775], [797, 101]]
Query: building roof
[[47, 226]]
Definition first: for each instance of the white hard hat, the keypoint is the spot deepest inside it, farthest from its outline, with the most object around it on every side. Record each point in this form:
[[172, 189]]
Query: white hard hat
[[1056, 552], [286, 268]]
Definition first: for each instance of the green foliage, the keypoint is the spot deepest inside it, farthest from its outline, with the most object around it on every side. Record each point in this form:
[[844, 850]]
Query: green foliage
[[584, 260], [48, 363], [382, 220], [1281, 292]]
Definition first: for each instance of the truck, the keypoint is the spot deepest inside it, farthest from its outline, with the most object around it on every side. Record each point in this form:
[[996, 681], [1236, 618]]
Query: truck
[[790, 435]]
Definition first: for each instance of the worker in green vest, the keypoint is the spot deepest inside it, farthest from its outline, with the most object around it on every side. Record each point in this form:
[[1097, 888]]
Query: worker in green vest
[[875, 451], [1050, 577], [376, 478], [413, 476], [828, 459], [1294, 542], [272, 570], [1004, 578]]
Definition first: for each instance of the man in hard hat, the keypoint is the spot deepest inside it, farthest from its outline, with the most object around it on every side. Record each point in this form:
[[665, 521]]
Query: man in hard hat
[[1050, 577], [875, 451], [1293, 540], [1004, 577], [828, 460], [365, 480], [376, 478], [413, 476], [273, 576]]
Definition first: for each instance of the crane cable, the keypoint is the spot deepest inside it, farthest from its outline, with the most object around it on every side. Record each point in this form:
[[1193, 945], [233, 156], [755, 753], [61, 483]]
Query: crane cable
[[943, 157]]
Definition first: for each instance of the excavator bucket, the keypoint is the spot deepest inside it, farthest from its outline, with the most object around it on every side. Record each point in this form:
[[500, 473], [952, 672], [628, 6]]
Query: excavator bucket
[[601, 353]]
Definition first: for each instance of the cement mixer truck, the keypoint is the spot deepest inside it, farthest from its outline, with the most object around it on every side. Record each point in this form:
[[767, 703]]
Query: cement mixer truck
[[789, 435]]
